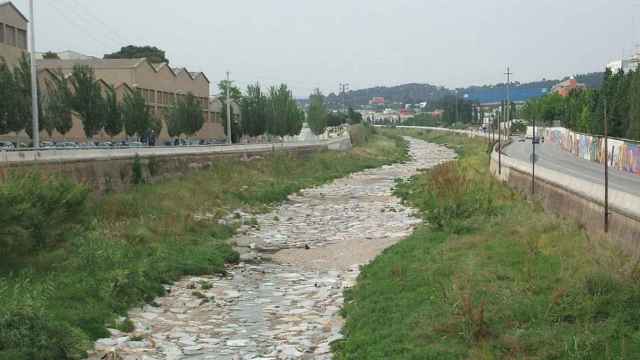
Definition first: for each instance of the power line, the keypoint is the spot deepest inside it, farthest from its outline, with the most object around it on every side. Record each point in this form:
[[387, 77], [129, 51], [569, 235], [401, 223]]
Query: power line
[[75, 24], [88, 23], [108, 28]]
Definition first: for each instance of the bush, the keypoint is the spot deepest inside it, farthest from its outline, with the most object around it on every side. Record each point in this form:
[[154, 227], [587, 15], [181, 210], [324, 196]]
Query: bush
[[39, 212], [451, 198], [29, 335], [137, 175], [360, 134]]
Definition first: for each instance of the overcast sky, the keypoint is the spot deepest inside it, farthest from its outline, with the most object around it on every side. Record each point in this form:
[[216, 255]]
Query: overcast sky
[[309, 44]]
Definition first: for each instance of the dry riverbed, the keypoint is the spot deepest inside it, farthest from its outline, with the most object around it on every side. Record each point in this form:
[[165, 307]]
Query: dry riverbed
[[282, 301]]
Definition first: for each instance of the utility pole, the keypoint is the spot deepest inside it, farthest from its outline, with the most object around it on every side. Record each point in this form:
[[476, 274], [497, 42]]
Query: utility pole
[[343, 92], [500, 146], [457, 120], [508, 122], [606, 170], [35, 138], [228, 112], [533, 158]]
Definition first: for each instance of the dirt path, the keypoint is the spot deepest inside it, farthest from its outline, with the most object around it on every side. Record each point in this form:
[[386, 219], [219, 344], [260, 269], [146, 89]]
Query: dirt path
[[286, 308]]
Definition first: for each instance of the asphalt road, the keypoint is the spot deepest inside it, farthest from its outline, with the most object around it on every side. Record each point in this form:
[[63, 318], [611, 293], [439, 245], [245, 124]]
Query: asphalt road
[[552, 157]]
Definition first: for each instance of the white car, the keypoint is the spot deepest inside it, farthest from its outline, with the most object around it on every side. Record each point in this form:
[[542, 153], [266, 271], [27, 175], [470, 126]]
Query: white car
[[7, 145]]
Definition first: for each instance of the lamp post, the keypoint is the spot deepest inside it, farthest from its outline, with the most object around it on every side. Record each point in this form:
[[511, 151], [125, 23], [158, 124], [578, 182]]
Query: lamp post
[[34, 81]]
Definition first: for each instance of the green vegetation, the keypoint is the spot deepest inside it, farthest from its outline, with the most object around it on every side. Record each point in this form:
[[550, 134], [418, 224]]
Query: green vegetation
[[583, 111], [185, 116], [491, 277], [61, 287], [152, 53], [317, 114]]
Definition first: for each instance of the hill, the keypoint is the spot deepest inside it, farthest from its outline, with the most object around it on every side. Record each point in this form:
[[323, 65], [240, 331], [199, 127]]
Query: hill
[[416, 93]]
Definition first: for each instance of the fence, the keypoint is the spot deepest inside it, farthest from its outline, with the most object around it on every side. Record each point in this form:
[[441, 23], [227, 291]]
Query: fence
[[624, 155]]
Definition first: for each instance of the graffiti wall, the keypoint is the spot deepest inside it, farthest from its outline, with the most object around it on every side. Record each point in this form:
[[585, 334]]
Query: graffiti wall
[[623, 155]]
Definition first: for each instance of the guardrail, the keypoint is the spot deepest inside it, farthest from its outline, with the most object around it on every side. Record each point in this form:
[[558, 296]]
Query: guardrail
[[71, 154]]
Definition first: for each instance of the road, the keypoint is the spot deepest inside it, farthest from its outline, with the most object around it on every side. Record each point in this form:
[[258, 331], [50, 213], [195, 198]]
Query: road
[[552, 157]]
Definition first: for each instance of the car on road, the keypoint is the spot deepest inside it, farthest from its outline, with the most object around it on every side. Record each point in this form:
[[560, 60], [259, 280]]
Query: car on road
[[521, 139], [7, 145], [137, 144], [105, 144], [537, 140]]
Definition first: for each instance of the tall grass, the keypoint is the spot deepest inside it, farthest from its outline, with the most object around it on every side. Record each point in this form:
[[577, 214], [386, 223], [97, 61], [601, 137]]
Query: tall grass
[[490, 276], [55, 301]]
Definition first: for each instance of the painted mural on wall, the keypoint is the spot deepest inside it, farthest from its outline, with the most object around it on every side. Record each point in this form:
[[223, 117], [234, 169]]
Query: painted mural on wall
[[623, 155]]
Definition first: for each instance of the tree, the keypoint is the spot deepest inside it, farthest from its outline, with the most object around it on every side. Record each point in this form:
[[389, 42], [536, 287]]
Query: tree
[[335, 118], [8, 96], [284, 116], [113, 122], [185, 116], [57, 108], [317, 115], [354, 117], [633, 131], [87, 100], [254, 112], [152, 53], [234, 92], [136, 116], [21, 101], [50, 55]]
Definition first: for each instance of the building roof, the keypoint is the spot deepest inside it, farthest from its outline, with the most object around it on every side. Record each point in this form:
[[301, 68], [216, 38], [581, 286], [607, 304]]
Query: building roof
[[93, 62], [9, 3]]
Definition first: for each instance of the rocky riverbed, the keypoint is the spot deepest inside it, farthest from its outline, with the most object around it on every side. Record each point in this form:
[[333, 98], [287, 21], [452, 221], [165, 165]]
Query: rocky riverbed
[[283, 300]]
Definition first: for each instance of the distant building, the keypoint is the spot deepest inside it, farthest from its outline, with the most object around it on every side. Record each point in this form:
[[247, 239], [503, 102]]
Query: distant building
[[378, 100], [625, 65], [13, 33], [566, 87]]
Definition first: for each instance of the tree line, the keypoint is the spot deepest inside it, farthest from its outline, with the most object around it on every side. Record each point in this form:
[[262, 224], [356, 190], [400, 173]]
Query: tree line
[[97, 106], [95, 103], [583, 110]]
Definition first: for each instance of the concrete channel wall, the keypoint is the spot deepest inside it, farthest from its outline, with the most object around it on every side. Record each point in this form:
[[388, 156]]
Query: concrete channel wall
[[105, 170], [574, 198], [570, 197]]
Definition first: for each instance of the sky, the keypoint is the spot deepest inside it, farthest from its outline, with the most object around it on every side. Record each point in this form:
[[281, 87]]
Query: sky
[[320, 44]]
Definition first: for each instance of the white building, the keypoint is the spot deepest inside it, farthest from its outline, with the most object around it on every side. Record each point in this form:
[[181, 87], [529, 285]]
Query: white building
[[625, 64]]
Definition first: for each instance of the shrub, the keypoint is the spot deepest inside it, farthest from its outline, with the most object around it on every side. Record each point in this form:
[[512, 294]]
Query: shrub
[[137, 175], [451, 197], [360, 134], [39, 212]]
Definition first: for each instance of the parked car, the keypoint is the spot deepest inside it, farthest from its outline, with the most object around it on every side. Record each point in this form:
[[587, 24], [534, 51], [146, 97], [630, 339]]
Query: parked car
[[7, 145], [67, 145], [47, 145], [87, 145], [105, 144], [215, 142], [536, 140], [136, 144]]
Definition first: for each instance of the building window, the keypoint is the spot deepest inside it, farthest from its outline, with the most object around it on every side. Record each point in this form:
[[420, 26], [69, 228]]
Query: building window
[[10, 35], [22, 39], [1, 33]]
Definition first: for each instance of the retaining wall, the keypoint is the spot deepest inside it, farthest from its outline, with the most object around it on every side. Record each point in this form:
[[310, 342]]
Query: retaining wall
[[577, 199], [106, 170]]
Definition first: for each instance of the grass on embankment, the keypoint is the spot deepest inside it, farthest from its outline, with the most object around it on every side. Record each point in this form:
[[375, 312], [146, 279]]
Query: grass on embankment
[[492, 277], [60, 294]]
